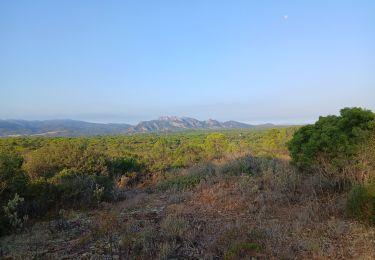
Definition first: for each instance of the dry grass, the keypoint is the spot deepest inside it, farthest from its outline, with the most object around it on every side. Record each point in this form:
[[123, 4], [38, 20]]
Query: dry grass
[[272, 214], [286, 214]]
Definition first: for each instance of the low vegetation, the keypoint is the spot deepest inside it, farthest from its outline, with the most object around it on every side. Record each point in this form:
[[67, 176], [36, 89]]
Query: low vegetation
[[361, 203], [297, 192]]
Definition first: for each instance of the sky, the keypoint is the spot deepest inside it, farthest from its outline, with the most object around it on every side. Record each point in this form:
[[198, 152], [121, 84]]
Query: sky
[[132, 60]]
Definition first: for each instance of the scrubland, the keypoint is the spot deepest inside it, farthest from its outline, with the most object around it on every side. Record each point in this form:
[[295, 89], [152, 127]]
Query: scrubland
[[266, 194]]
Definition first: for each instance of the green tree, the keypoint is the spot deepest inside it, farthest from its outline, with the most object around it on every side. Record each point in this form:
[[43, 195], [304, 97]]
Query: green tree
[[332, 143], [189, 154], [216, 144], [274, 141], [161, 154]]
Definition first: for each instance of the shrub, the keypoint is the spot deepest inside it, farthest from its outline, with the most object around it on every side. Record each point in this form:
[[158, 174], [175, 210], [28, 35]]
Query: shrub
[[120, 166], [241, 249], [332, 143], [216, 145], [48, 160], [12, 178], [105, 183], [187, 181], [51, 159], [188, 154], [180, 182], [274, 141], [361, 203], [76, 189], [54, 179], [40, 196], [174, 226], [244, 165], [12, 212], [105, 224], [167, 249], [206, 169]]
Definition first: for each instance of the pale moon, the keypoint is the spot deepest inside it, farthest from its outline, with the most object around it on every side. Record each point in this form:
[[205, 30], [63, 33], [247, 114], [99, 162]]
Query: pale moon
[[285, 17]]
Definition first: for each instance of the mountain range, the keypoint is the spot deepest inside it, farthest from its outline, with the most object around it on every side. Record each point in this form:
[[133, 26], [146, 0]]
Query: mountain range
[[81, 128]]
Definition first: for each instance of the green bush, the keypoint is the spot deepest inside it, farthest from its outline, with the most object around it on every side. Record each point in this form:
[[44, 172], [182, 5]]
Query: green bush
[[51, 159], [105, 182], [77, 190], [73, 188], [332, 143], [40, 197], [188, 154], [361, 203], [120, 166], [13, 213], [12, 177], [67, 189]]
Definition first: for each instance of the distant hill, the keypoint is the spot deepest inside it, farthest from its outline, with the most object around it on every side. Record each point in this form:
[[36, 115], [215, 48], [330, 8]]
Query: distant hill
[[59, 128], [172, 123], [81, 128]]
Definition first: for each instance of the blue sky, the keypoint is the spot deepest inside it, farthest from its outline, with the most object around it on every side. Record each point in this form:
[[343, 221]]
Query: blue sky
[[126, 61]]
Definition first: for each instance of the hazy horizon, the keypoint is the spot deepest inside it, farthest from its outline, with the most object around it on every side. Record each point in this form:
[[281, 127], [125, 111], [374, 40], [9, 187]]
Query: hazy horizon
[[255, 122], [129, 61]]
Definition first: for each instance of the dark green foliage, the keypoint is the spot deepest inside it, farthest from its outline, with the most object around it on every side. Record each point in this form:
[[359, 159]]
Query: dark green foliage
[[4, 223], [73, 187], [92, 162], [66, 189], [332, 143], [107, 183], [59, 174], [120, 166], [41, 196], [361, 203], [12, 181], [12, 177]]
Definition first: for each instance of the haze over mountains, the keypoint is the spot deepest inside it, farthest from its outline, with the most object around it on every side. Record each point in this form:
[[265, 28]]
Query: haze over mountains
[[81, 128]]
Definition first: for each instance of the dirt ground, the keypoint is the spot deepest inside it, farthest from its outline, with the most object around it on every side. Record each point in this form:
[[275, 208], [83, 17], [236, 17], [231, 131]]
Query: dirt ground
[[223, 218]]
